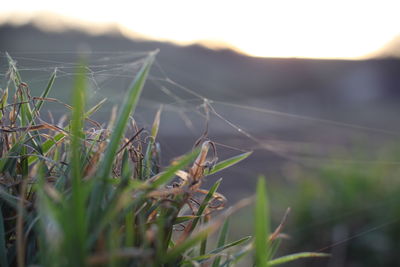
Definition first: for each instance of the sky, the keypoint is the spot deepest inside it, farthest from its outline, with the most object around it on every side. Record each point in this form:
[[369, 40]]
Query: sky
[[279, 28]]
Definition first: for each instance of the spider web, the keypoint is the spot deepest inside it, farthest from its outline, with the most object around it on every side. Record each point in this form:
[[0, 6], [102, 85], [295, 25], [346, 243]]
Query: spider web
[[280, 140]]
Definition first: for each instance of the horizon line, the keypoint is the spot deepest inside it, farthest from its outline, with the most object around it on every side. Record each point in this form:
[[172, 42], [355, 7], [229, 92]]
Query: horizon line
[[40, 21]]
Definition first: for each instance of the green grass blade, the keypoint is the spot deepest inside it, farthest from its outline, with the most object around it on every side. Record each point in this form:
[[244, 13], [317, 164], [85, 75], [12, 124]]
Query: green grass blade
[[149, 151], [3, 101], [218, 250], [203, 245], [77, 125], [46, 146], [26, 115], [261, 225], [182, 219], [95, 108], [205, 202], [129, 230], [36, 110], [274, 247], [9, 161], [168, 174], [232, 244], [228, 163], [111, 212], [156, 124], [191, 241], [202, 234], [128, 107], [77, 234], [296, 256], [237, 256], [221, 241], [9, 198], [50, 143], [46, 92], [49, 213]]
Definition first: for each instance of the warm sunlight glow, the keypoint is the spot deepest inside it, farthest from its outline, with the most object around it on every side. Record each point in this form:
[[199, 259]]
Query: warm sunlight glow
[[279, 28]]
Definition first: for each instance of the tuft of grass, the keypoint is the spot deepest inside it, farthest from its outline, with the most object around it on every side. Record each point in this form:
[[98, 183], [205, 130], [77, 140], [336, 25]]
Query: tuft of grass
[[70, 196]]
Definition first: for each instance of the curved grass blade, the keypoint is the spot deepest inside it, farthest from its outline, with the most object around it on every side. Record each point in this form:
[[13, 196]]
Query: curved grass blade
[[228, 163], [113, 210], [182, 219], [188, 242], [296, 256], [95, 108], [26, 116], [77, 207], [221, 241], [77, 123], [38, 106], [148, 156], [9, 161], [46, 92], [218, 250], [50, 143], [3, 101], [178, 249], [49, 213], [201, 210], [232, 244], [204, 204], [167, 175], [261, 225], [237, 256], [128, 107]]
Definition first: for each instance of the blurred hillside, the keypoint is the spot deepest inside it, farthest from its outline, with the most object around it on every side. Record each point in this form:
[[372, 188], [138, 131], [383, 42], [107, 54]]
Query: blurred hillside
[[224, 73], [389, 50], [347, 91]]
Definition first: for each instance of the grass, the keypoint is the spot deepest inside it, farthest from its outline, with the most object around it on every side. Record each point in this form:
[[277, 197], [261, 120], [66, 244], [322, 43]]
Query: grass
[[85, 195], [350, 209]]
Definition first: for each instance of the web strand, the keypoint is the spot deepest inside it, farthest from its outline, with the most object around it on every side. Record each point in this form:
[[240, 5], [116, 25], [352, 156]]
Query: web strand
[[105, 68]]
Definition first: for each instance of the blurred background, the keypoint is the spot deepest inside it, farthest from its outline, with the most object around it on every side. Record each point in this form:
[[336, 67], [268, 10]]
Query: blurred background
[[312, 87]]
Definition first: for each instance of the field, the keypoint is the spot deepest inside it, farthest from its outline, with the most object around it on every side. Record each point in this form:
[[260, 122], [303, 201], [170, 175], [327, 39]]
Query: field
[[99, 170], [72, 196]]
